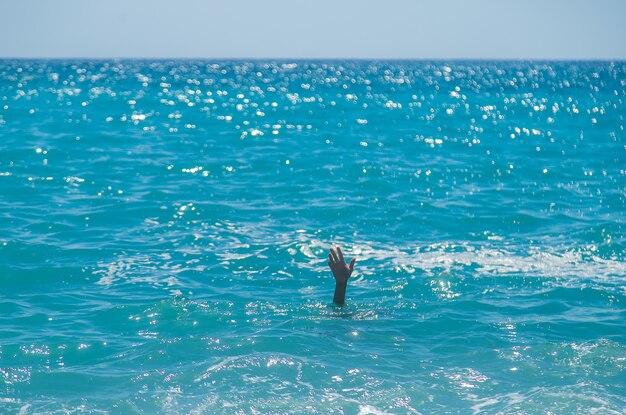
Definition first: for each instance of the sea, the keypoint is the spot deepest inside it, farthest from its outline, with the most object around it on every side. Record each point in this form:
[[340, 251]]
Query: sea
[[165, 228]]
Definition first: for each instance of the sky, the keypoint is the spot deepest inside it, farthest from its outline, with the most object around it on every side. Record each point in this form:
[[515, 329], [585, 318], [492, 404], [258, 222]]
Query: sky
[[314, 29]]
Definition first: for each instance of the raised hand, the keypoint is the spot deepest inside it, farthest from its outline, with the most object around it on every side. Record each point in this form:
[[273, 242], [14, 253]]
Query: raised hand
[[341, 272]]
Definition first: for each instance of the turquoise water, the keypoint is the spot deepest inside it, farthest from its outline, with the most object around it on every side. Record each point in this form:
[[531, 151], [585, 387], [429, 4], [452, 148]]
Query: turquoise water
[[165, 227]]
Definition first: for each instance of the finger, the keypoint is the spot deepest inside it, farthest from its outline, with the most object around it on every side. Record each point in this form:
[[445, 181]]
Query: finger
[[352, 265], [332, 252], [340, 252], [331, 261]]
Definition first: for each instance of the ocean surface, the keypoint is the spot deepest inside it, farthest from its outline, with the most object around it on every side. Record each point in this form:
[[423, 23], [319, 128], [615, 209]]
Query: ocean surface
[[165, 227]]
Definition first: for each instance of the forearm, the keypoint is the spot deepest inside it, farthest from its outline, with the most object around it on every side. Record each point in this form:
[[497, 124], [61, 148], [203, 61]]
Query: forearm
[[340, 293]]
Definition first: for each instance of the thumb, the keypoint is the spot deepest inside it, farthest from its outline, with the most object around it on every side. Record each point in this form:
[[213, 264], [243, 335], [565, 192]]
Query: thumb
[[352, 264]]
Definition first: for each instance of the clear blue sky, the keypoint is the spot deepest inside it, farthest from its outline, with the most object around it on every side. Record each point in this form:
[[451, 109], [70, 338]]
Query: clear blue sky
[[413, 29]]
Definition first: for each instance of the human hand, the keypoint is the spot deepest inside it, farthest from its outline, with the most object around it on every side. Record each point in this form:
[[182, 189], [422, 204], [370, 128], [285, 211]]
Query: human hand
[[341, 271]]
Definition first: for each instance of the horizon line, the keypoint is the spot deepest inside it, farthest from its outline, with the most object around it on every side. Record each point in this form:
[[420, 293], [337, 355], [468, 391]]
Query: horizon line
[[397, 59]]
